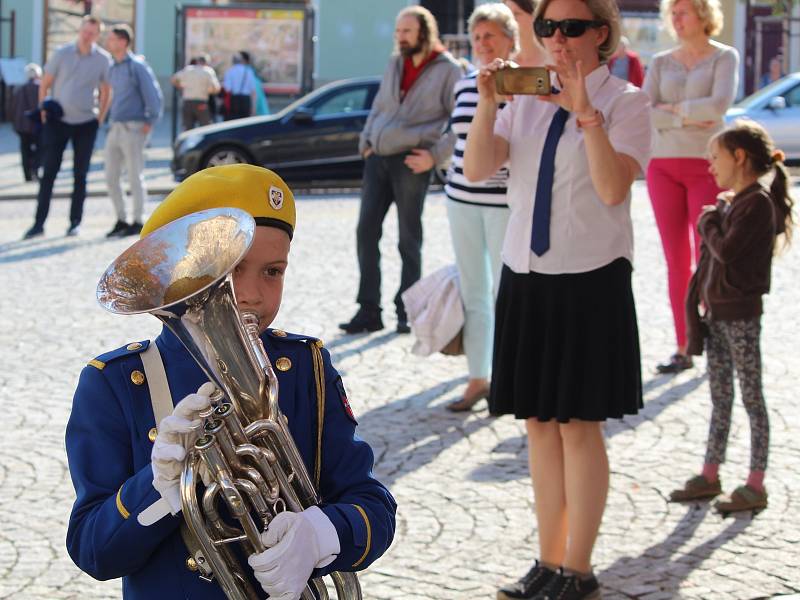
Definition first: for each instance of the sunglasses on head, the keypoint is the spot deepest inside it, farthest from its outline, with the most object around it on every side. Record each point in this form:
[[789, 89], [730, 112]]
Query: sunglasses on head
[[569, 27]]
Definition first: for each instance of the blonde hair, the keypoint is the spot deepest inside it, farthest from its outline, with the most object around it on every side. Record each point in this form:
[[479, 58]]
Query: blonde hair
[[708, 11], [605, 11], [499, 14], [428, 28]]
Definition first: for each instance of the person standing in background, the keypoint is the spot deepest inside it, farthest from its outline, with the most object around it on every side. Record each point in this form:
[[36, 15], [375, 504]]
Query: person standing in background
[[25, 100], [76, 76], [530, 54], [240, 85], [625, 63], [136, 105], [739, 237], [401, 143], [197, 83], [691, 87], [478, 211], [774, 73]]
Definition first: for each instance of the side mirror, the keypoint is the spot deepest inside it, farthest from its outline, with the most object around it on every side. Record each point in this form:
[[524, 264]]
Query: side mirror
[[777, 103], [303, 115]]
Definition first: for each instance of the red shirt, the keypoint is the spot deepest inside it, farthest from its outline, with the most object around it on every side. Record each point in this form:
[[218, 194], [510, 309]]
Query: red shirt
[[412, 73]]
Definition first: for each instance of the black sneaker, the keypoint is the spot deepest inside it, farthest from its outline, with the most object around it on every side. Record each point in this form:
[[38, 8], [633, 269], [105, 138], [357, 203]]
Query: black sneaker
[[33, 232], [119, 229], [533, 582], [570, 587], [676, 364], [402, 326], [133, 229], [74, 230], [364, 320]]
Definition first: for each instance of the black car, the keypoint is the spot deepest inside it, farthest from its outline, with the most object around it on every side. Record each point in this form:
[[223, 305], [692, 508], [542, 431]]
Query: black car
[[313, 139]]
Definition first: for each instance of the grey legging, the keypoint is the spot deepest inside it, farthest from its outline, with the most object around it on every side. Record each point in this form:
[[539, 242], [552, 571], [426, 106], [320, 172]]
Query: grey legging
[[736, 344]]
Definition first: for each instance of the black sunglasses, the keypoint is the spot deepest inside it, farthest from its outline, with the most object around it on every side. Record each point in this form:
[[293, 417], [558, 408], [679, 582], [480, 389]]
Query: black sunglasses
[[569, 27]]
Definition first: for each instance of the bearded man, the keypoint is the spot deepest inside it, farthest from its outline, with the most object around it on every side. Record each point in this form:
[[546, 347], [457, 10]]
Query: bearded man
[[403, 140]]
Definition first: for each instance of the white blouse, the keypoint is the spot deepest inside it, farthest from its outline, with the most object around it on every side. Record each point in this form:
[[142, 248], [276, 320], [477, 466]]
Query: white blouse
[[585, 234]]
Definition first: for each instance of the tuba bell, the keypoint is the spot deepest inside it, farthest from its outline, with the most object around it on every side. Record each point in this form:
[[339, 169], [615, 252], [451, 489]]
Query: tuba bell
[[245, 458]]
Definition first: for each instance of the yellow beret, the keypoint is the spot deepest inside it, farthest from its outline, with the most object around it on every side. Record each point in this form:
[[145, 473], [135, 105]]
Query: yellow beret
[[255, 190]]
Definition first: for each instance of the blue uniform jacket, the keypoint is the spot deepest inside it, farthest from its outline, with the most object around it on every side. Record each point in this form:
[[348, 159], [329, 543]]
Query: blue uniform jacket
[[108, 443]]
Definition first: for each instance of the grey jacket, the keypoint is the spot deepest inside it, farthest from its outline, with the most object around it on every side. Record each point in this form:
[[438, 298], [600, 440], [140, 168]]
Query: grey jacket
[[420, 120]]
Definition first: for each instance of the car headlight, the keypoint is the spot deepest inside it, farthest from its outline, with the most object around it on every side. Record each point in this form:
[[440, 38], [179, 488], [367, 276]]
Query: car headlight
[[189, 142]]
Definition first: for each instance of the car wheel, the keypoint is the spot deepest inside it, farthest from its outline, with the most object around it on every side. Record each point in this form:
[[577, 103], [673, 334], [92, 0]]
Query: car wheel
[[225, 155]]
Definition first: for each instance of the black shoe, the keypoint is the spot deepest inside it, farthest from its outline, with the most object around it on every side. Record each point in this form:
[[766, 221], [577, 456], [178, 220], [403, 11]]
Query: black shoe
[[120, 228], [570, 587], [74, 230], [402, 326], [35, 231], [676, 364], [533, 582], [364, 320], [133, 229]]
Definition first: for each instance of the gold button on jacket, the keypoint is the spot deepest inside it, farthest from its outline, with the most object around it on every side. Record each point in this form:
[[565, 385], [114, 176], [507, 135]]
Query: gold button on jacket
[[283, 364], [133, 346], [137, 377], [152, 434]]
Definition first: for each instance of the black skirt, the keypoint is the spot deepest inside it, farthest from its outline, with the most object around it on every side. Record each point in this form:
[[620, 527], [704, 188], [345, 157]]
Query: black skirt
[[566, 346]]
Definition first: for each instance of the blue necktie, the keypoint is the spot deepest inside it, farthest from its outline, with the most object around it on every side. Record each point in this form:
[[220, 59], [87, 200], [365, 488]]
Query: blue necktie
[[540, 232]]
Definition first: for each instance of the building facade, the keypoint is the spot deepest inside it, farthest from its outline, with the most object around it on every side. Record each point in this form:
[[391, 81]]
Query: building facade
[[350, 37]]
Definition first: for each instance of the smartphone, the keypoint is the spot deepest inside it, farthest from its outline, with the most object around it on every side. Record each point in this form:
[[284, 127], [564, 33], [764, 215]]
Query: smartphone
[[523, 80]]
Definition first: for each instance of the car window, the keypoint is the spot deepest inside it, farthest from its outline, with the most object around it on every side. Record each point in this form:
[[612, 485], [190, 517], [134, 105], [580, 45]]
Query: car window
[[344, 101], [793, 96], [762, 96]]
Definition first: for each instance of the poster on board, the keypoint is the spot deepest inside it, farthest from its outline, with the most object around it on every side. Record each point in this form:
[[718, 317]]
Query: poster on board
[[273, 37]]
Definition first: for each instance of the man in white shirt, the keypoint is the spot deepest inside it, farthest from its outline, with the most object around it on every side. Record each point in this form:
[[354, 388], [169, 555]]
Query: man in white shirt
[[196, 81]]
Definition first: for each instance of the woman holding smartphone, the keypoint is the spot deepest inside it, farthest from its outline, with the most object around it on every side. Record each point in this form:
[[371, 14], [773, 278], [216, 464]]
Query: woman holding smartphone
[[566, 338]]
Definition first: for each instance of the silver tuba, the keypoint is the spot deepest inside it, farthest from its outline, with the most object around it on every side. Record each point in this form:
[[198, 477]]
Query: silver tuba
[[182, 274]]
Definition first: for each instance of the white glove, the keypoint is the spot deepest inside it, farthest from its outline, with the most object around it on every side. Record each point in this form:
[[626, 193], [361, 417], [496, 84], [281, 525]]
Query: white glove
[[177, 433], [297, 543]]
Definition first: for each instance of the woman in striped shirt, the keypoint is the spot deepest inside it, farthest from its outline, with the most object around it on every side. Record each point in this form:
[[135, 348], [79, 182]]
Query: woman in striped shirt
[[478, 211]]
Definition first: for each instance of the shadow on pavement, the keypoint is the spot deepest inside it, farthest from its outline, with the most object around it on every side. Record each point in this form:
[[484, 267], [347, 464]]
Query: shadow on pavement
[[423, 431], [344, 339], [509, 465], [678, 564], [42, 248]]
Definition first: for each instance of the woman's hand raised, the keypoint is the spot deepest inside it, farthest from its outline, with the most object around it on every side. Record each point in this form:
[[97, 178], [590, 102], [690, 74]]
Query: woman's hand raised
[[573, 96], [486, 87]]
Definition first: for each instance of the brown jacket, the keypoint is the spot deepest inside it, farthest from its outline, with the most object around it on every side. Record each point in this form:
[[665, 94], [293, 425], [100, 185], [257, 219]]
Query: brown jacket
[[735, 261]]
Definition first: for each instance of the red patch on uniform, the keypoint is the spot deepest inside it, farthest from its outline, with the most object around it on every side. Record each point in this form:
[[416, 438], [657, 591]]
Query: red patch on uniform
[[345, 402]]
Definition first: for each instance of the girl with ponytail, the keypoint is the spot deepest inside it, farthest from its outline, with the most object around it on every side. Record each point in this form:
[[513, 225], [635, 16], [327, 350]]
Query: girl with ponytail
[[739, 237]]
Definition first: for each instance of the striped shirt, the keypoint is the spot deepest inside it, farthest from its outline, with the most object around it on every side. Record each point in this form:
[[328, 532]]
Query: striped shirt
[[490, 192]]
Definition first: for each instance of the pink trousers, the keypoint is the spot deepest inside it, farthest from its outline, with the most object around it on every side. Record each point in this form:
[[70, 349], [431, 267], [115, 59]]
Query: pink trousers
[[679, 189]]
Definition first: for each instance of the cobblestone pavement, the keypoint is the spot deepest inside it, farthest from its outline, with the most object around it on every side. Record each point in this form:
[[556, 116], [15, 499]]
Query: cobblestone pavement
[[465, 520]]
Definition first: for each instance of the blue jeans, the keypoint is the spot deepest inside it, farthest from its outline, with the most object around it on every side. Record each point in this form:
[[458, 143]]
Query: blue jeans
[[477, 233], [387, 179], [55, 136]]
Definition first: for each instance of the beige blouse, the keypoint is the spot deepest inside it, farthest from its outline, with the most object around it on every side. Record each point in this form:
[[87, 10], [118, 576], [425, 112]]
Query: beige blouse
[[703, 93]]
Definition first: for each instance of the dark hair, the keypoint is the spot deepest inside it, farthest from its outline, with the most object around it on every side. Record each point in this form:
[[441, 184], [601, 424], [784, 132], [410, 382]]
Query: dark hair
[[124, 31], [245, 56], [527, 5], [762, 156]]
